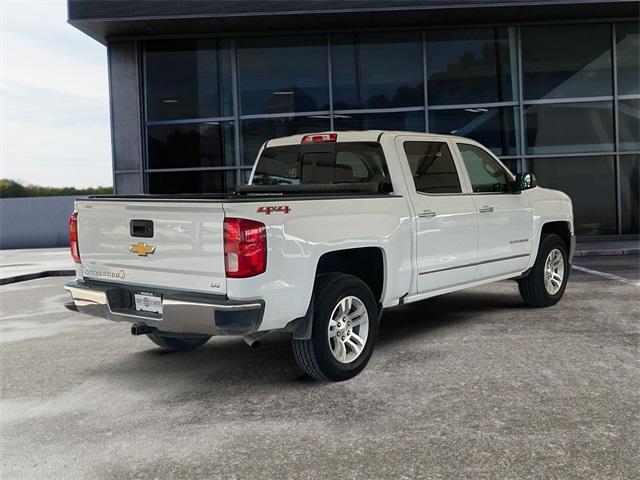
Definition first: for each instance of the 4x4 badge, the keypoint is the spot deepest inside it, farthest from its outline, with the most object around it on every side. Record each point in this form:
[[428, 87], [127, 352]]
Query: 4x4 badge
[[279, 209], [142, 249]]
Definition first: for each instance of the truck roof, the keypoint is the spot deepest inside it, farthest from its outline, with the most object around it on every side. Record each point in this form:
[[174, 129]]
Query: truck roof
[[354, 136]]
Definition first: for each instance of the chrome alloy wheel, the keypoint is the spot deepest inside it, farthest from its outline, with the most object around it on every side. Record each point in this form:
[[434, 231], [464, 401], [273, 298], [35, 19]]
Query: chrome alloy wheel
[[348, 329], [553, 271]]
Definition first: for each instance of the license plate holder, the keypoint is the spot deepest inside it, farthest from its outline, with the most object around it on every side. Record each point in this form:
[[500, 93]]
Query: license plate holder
[[148, 302]]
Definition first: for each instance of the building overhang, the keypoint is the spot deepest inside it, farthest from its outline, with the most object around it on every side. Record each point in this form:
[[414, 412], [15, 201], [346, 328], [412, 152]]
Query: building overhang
[[107, 19]]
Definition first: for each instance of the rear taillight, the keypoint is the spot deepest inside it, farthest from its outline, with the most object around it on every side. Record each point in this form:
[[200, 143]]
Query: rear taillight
[[245, 247], [73, 237]]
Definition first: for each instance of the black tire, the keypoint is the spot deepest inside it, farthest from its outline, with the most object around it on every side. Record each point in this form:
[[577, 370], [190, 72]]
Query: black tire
[[532, 287], [314, 356], [177, 342]]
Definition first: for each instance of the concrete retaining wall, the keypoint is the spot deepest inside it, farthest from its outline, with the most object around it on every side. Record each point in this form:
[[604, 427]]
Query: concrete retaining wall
[[35, 222]]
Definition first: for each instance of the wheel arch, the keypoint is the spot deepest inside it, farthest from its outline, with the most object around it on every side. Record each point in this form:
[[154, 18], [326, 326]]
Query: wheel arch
[[367, 263]]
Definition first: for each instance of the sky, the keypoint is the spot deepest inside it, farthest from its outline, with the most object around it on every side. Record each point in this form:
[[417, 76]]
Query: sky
[[54, 98]]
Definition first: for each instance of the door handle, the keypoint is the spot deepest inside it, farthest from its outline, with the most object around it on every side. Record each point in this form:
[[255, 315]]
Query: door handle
[[486, 209], [427, 214]]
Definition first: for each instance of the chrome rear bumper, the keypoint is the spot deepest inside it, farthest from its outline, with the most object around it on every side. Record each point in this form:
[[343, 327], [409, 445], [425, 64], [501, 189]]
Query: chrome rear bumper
[[181, 312]]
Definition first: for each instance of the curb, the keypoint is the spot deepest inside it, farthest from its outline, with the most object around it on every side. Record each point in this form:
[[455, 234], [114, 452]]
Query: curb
[[605, 253], [33, 276]]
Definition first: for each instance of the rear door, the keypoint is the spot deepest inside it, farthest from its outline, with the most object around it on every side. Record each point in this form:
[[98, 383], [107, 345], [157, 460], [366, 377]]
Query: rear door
[[505, 218], [446, 218], [164, 244]]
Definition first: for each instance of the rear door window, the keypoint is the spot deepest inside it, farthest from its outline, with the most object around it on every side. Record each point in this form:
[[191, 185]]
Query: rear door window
[[323, 163], [432, 167]]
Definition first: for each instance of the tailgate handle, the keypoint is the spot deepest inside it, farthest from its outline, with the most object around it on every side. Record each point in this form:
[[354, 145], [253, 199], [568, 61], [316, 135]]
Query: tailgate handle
[[141, 228]]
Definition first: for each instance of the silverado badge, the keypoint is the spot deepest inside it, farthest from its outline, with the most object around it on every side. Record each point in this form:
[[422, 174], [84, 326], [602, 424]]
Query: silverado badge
[[142, 249]]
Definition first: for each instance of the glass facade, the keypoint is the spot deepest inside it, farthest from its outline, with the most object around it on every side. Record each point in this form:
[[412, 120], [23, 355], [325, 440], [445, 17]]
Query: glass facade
[[562, 101]]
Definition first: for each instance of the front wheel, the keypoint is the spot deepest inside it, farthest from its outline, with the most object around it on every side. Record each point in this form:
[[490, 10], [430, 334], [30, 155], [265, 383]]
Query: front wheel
[[345, 327], [177, 342], [547, 280]]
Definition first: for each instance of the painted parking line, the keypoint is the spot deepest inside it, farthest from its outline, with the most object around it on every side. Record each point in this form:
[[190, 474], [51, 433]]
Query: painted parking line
[[610, 276]]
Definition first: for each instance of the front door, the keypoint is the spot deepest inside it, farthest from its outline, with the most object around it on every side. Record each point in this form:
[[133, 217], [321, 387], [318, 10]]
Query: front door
[[505, 218], [446, 219]]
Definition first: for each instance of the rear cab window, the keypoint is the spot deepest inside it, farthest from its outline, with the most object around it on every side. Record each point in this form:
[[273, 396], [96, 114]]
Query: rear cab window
[[323, 163]]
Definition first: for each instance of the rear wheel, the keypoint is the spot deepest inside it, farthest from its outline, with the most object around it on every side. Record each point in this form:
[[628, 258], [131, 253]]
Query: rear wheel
[[177, 342], [547, 280], [345, 327]]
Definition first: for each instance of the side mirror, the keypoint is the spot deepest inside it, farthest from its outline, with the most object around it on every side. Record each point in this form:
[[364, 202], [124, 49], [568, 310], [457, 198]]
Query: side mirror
[[524, 181]]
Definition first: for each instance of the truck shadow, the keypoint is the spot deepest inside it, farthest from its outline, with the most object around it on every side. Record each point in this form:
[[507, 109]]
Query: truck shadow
[[228, 363]]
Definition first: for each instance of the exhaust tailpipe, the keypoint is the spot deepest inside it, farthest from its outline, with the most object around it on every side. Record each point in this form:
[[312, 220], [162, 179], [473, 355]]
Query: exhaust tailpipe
[[252, 340], [142, 329]]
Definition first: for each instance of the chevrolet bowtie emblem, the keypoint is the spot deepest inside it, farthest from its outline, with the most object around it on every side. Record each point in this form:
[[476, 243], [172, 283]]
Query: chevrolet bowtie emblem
[[142, 249]]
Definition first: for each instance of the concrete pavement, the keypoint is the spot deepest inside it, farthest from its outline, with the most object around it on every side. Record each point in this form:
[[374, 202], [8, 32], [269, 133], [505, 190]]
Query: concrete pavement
[[468, 385]]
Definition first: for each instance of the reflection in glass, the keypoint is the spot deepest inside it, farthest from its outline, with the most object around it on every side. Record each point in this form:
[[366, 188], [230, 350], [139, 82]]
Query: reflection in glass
[[569, 127], [629, 124], [208, 144], [377, 70], [192, 182], [630, 192], [628, 52], [471, 66], [403, 121], [496, 128], [590, 182], [187, 79], [283, 74], [566, 61], [256, 131]]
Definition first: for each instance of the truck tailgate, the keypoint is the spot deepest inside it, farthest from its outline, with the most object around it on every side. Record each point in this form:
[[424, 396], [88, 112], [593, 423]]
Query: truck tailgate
[[186, 250]]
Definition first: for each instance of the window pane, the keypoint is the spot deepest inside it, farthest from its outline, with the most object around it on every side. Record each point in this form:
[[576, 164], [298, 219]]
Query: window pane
[[432, 167], [284, 74], [590, 182], [485, 174], [207, 144], [192, 182], [471, 65], [404, 121], [630, 192], [187, 79], [564, 61], [628, 52], [496, 128], [569, 127], [256, 131], [342, 162], [511, 164], [629, 124], [377, 70]]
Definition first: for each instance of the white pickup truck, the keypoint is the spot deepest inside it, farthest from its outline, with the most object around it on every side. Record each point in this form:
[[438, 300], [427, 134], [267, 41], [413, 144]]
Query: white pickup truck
[[331, 229]]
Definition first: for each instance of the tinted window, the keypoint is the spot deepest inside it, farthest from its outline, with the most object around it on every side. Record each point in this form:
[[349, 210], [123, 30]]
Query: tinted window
[[331, 163], [257, 131], [190, 145], [628, 52], [432, 167], [590, 182], [191, 182], [630, 192], [187, 79], [569, 127], [284, 74], [566, 61], [485, 173], [629, 124], [405, 121], [471, 66], [495, 128], [377, 70]]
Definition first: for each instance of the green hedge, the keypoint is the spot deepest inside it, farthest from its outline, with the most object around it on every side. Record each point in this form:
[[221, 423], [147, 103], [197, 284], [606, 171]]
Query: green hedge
[[12, 189]]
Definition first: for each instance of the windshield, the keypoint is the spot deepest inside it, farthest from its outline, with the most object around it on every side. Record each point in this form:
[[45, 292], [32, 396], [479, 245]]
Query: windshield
[[323, 163]]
